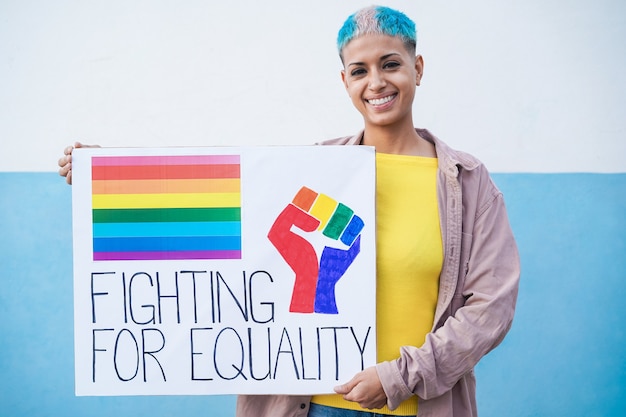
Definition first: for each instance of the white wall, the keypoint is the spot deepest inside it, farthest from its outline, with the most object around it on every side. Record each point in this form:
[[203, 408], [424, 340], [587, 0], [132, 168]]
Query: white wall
[[532, 86]]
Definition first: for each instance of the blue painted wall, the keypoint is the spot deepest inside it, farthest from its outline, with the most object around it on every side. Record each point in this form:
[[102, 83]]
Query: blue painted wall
[[565, 355]]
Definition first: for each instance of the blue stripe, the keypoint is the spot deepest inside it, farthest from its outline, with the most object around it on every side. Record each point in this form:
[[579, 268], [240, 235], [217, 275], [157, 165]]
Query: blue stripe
[[166, 229], [352, 230], [569, 325], [139, 244]]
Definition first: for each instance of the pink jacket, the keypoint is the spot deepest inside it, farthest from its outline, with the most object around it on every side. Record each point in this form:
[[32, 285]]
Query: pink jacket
[[477, 296]]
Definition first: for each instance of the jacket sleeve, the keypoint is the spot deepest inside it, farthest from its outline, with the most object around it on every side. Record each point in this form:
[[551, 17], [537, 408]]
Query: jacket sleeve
[[482, 308], [272, 406]]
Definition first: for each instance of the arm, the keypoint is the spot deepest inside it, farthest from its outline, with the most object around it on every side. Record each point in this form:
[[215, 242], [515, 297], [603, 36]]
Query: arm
[[65, 162], [484, 304]]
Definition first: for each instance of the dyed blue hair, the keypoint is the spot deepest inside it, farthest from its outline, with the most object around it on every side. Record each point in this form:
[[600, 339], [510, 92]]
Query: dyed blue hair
[[378, 20]]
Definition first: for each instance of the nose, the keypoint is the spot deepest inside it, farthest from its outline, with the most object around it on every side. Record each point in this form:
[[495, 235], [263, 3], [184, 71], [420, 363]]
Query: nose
[[376, 81]]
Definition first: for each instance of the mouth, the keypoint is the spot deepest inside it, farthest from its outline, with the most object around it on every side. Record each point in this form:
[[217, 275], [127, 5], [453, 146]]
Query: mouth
[[382, 100]]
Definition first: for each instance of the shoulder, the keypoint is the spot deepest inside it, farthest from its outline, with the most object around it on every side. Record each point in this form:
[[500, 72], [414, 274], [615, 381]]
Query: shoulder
[[468, 170], [449, 157], [344, 140]]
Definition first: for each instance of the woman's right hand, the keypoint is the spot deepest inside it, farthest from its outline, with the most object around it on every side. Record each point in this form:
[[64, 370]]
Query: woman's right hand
[[65, 162]]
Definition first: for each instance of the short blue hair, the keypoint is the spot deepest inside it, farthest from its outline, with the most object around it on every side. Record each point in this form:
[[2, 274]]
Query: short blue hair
[[378, 20]]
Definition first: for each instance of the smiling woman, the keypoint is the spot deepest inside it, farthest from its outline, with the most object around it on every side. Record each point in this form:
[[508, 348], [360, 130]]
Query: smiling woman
[[453, 293], [526, 90], [447, 266]]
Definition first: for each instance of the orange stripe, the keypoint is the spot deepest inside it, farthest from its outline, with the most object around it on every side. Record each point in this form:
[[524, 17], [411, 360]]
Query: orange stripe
[[222, 185], [304, 198]]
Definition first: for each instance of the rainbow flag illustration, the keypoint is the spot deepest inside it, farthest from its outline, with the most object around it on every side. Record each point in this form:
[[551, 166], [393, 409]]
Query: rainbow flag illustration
[[166, 207]]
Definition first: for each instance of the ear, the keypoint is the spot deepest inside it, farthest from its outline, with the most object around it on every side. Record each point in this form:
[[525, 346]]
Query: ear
[[343, 78], [419, 69]]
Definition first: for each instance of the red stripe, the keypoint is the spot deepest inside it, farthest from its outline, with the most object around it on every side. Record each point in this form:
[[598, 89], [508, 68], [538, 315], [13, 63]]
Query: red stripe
[[162, 172]]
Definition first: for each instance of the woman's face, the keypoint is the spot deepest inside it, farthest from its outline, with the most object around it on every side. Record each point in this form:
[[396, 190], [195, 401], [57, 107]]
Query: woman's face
[[380, 76]]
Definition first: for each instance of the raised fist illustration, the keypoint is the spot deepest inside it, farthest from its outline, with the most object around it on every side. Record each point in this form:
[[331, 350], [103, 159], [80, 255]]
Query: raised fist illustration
[[309, 211]]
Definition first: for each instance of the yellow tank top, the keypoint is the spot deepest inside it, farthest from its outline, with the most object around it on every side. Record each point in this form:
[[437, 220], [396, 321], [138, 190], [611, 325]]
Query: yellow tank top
[[409, 257]]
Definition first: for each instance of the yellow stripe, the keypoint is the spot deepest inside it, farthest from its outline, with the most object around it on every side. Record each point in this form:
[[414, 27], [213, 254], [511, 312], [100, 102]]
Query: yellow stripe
[[322, 209], [186, 200]]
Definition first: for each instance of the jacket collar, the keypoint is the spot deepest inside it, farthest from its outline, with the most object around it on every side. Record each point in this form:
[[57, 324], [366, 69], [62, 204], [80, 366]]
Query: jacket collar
[[450, 160]]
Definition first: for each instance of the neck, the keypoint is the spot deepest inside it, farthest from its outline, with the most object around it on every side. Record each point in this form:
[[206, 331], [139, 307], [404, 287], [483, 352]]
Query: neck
[[397, 140]]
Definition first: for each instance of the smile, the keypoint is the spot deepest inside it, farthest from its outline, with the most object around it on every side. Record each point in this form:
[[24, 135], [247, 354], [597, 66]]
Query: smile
[[381, 101]]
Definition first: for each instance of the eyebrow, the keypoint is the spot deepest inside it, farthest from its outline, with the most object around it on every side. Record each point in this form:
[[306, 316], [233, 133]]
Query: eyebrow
[[382, 58]]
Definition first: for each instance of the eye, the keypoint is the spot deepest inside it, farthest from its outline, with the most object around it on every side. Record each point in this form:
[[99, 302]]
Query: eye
[[357, 72], [391, 65]]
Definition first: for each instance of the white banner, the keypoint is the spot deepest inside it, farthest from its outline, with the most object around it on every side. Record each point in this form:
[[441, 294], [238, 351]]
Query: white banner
[[231, 270]]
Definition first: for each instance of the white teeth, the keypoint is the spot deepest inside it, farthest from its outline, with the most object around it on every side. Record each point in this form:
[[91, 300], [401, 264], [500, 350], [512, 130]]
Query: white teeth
[[380, 101]]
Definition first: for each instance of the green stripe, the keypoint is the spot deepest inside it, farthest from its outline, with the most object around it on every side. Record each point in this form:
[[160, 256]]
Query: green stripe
[[338, 221], [166, 215]]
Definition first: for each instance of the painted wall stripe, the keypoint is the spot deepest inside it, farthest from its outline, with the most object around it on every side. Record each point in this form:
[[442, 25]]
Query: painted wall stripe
[[571, 231]]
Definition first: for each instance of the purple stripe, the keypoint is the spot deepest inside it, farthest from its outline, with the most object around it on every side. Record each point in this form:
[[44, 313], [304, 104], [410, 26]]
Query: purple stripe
[[165, 160], [166, 255]]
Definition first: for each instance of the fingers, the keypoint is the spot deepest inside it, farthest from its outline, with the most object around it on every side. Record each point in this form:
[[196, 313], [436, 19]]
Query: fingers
[[338, 221], [345, 389], [64, 167], [365, 389], [66, 172], [65, 162], [348, 386]]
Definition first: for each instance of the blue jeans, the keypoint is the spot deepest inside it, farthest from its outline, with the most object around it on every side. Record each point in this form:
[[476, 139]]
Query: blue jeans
[[317, 410]]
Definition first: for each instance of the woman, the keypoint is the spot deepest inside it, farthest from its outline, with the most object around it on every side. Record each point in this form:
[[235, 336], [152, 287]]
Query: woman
[[447, 262]]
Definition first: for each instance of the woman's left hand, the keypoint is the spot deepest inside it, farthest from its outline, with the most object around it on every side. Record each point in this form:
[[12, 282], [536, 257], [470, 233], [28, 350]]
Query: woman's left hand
[[365, 388]]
